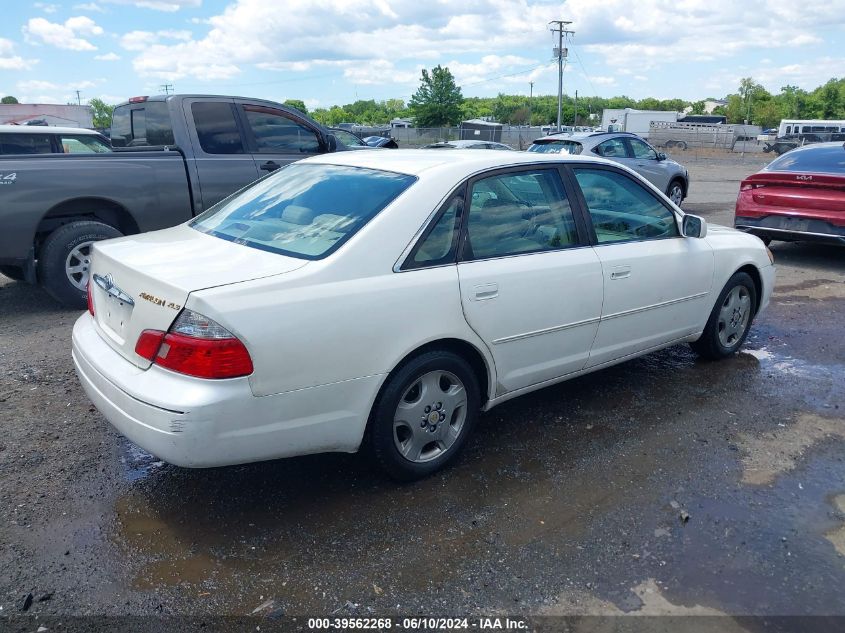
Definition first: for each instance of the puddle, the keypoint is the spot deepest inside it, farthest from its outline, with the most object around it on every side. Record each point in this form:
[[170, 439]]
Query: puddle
[[787, 365], [770, 454], [818, 289]]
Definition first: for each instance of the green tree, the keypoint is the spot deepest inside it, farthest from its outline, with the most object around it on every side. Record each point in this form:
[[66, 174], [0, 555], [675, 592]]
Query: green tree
[[697, 107], [297, 104], [767, 113], [102, 112], [831, 100], [9, 99], [437, 102]]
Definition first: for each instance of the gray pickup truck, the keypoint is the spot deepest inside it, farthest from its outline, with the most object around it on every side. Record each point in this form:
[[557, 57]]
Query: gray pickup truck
[[174, 157]]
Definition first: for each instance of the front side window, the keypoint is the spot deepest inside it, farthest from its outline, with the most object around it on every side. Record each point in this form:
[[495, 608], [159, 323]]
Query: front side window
[[216, 127], [25, 144], [517, 213], [83, 145], [275, 133], [642, 150], [612, 148], [304, 211], [622, 209]]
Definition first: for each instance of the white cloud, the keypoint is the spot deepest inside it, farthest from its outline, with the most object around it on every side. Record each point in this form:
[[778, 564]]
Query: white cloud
[[91, 7], [46, 8], [142, 40], [36, 85], [68, 36], [169, 6], [603, 81], [108, 57], [10, 61]]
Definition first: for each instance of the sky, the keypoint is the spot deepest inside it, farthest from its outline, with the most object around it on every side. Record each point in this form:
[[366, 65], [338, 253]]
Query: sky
[[328, 52]]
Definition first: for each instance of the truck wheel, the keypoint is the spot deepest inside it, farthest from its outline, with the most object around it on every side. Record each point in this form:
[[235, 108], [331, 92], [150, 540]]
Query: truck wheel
[[12, 272], [65, 258]]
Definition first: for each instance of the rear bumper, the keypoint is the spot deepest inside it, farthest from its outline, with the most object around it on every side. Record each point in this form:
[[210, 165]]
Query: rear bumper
[[784, 228], [199, 423]]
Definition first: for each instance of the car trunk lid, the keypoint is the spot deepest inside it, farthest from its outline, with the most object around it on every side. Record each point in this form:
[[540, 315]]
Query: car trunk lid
[[797, 192], [142, 281]]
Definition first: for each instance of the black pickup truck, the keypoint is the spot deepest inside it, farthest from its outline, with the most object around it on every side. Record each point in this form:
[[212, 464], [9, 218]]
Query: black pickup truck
[[174, 157]]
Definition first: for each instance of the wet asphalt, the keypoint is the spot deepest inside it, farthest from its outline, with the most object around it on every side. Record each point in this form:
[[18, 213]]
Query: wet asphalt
[[665, 485]]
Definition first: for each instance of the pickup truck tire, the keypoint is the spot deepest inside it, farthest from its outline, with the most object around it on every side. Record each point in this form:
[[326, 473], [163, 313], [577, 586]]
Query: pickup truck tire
[[64, 259], [12, 272]]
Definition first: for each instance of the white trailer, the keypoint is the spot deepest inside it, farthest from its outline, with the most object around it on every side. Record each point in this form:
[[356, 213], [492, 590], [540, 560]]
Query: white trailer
[[636, 121]]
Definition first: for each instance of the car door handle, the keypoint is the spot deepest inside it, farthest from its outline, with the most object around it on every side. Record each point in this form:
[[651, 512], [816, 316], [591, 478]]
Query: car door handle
[[620, 272], [270, 166], [486, 291]]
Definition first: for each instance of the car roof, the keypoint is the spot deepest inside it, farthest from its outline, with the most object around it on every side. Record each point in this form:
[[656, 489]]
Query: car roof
[[583, 136], [42, 129], [415, 162]]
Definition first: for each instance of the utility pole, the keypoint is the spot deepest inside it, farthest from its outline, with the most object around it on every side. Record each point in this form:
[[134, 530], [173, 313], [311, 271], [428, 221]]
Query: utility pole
[[575, 117], [78, 98], [560, 52], [530, 99], [167, 88]]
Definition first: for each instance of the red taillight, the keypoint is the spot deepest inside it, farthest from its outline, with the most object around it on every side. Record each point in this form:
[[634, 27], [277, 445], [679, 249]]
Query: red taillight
[[137, 99], [204, 358], [196, 346], [90, 300], [149, 343], [745, 186]]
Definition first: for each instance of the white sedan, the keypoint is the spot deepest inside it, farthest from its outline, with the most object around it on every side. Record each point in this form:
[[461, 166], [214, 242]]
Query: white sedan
[[384, 299]]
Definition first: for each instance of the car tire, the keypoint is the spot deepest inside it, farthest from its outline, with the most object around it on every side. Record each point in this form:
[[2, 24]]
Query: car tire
[[675, 192], [730, 320], [63, 260], [12, 272], [423, 415]]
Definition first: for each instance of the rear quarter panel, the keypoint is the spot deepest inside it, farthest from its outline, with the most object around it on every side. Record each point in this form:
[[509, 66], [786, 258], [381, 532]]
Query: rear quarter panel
[[152, 187]]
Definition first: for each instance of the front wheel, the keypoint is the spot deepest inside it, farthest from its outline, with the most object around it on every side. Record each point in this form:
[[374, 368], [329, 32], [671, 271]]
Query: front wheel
[[65, 260], [730, 320], [422, 418]]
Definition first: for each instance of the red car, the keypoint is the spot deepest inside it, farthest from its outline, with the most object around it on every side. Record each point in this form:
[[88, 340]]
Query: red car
[[798, 196]]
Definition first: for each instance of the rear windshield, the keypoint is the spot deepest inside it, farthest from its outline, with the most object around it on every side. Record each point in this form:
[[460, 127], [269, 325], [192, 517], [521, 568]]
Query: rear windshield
[[556, 147], [820, 160], [140, 124], [304, 211]]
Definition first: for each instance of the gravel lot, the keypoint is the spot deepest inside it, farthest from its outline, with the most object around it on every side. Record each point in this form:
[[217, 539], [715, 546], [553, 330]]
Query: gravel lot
[[567, 501]]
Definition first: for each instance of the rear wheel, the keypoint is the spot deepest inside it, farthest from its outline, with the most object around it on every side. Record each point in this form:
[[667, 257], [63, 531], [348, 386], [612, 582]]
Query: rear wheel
[[675, 192], [424, 415], [65, 259], [730, 320], [12, 272]]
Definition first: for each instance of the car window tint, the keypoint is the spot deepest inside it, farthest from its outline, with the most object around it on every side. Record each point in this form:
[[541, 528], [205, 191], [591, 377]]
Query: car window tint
[[25, 144], [347, 138], [82, 145], [438, 245], [521, 212], [274, 132], [304, 210], [824, 160], [612, 148], [216, 128], [622, 209], [556, 147], [642, 150]]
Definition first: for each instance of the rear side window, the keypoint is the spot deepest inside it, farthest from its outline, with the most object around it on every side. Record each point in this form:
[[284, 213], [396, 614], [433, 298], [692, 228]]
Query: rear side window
[[137, 125], [438, 245], [306, 211], [621, 209], [25, 144], [518, 213], [216, 127], [612, 148], [556, 147], [821, 160], [82, 145]]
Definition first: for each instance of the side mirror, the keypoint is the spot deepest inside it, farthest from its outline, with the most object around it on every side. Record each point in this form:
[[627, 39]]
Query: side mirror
[[661, 156], [331, 143], [694, 226]]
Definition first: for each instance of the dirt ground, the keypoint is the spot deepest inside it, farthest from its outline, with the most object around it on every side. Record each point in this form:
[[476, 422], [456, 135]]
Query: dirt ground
[[567, 501]]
